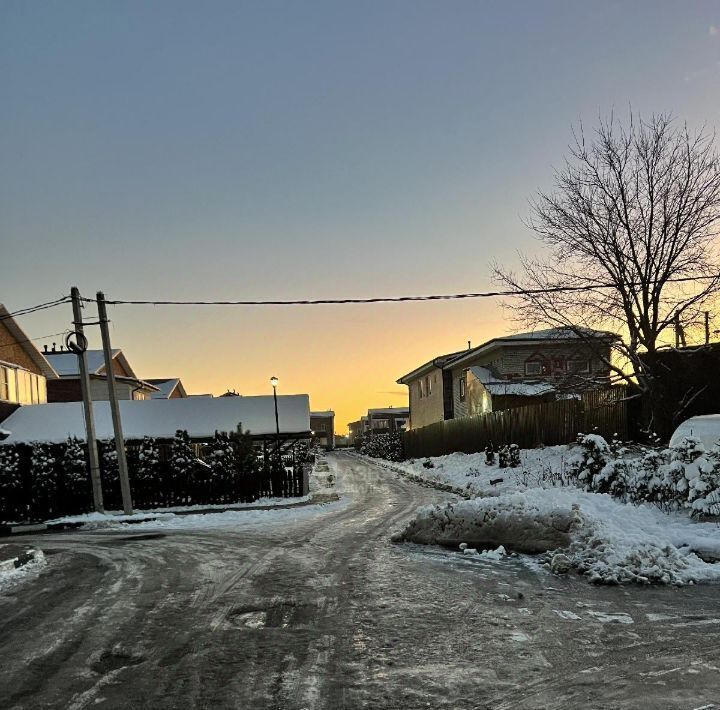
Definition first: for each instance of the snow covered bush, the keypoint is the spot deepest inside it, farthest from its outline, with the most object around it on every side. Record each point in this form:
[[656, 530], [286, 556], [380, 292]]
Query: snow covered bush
[[11, 507], [76, 475], [182, 464], [384, 446], [42, 465]]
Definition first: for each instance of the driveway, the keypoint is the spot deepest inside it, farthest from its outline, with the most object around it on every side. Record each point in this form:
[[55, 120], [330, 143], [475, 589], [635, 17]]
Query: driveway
[[323, 611]]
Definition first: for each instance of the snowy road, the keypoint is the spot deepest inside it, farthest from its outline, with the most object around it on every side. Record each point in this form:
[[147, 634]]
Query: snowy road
[[321, 611]]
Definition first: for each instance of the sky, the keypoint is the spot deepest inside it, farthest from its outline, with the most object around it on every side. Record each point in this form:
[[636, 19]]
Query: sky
[[225, 150]]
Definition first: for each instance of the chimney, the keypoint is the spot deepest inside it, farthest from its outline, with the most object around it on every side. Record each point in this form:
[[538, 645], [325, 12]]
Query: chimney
[[469, 345], [45, 348]]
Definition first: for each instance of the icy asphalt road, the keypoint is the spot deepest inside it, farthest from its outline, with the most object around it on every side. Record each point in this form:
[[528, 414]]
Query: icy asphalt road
[[323, 612]]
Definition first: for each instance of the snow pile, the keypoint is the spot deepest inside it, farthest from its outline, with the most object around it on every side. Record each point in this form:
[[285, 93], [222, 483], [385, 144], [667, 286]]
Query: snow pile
[[609, 541], [19, 568]]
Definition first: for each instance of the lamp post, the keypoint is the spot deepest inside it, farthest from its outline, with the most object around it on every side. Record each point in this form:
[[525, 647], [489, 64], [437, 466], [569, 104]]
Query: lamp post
[[274, 383]]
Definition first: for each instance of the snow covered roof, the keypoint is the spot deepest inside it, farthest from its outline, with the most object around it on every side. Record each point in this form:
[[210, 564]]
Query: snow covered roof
[[161, 418], [26, 344], [497, 386], [65, 363], [326, 413], [167, 387]]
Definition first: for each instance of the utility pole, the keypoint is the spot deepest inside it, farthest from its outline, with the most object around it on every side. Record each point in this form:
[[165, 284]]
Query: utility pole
[[114, 406], [87, 401]]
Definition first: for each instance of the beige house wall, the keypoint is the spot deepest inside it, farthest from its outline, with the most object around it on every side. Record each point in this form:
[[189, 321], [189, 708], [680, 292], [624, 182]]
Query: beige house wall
[[430, 408], [10, 351]]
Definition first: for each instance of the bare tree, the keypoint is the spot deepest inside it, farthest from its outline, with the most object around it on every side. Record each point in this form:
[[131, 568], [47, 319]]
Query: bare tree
[[631, 229]]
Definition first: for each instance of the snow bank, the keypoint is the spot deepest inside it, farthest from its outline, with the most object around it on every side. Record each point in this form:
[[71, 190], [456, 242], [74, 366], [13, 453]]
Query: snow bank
[[21, 568], [470, 472], [610, 542]]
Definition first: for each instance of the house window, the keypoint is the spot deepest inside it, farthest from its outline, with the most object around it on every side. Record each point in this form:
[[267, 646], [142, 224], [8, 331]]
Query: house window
[[138, 395], [321, 427], [533, 367], [5, 384], [421, 388], [380, 424], [428, 385], [462, 385], [578, 367], [400, 424]]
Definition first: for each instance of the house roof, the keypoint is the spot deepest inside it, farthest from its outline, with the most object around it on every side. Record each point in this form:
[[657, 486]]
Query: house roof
[[161, 418], [439, 361], [402, 411], [26, 344], [166, 387], [66, 362], [558, 335], [328, 413], [496, 386]]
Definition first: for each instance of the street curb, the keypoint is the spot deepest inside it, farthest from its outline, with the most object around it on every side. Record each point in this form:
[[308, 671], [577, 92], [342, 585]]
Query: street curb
[[30, 528]]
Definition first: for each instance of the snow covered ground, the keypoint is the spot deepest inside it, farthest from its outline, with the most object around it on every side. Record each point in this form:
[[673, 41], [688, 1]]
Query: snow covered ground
[[525, 510], [470, 473], [11, 575]]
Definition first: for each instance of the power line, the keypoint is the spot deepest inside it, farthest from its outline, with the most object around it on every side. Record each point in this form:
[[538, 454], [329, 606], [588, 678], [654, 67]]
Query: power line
[[38, 307], [393, 299]]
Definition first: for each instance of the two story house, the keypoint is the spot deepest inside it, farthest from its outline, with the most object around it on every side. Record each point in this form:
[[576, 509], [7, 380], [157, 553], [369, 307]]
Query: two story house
[[24, 372], [67, 387], [509, 371], [322, 426]]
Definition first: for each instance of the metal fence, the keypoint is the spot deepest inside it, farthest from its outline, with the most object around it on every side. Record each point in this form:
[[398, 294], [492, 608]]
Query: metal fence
[[551, 423], [29, 493]]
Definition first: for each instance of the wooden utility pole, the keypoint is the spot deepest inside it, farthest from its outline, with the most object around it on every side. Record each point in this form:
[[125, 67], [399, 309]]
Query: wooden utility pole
[[114, 406], [87, 402]]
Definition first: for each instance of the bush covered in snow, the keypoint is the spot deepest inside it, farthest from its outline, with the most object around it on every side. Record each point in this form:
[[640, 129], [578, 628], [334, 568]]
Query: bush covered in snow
[[684, 476], [383, 446]]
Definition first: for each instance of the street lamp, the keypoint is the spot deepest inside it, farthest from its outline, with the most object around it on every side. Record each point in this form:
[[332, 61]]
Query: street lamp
[[274, 383]]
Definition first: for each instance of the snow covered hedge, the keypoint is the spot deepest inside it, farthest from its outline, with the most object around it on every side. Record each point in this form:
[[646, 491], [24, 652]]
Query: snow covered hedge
[[383, 446], [685, 476]]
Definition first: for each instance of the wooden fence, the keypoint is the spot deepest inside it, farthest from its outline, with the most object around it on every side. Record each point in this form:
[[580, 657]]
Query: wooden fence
[[551, 423], [29, 494]]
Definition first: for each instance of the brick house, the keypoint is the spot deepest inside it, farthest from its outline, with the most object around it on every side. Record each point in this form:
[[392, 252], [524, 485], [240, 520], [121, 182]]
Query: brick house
[[322, 425], [24, 372], [67, 388], [507, 372]]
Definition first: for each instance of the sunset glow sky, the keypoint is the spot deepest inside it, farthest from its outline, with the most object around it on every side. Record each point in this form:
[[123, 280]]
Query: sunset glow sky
[[281, 150]]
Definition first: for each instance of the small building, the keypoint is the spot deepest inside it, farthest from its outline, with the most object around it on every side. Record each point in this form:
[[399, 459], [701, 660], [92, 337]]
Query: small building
[[322, 425], [171, 388], [507, 372], [355, 430], [67, 387], [24, 372]]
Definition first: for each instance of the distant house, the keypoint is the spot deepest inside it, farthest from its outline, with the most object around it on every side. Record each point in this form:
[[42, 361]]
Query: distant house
[[68, 389], [322, 425], [24, 372], [355, 430], [508, 372], [201, 417], [171, 388], [388, 419]]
